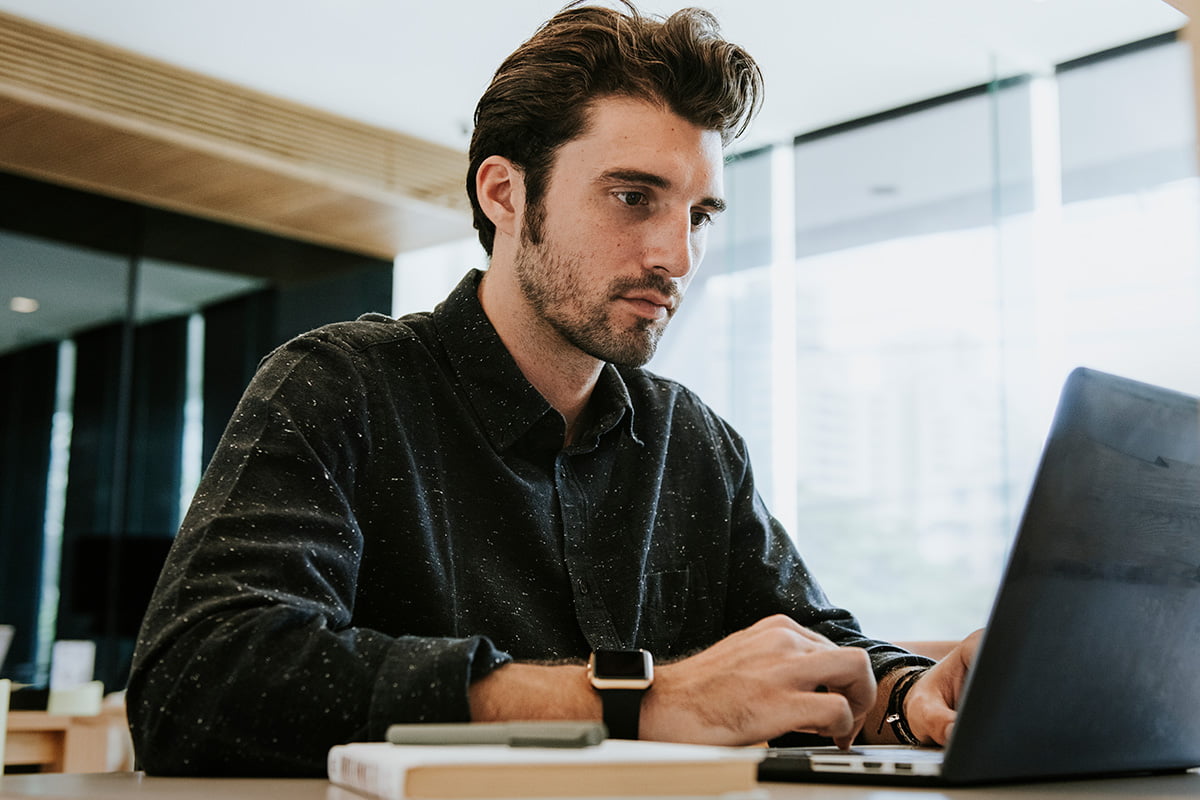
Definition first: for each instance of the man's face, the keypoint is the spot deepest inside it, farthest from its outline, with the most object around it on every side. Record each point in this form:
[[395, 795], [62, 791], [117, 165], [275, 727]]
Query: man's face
[[624, 222]]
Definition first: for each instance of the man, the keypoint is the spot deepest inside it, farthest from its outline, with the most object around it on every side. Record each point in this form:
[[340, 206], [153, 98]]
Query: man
[[438, 518]]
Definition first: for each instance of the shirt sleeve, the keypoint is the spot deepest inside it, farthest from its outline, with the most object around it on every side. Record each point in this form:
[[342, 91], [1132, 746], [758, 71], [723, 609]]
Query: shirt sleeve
[[248, 661]]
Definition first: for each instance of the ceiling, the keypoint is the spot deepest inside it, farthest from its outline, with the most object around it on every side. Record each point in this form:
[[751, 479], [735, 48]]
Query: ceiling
[[418, 67]]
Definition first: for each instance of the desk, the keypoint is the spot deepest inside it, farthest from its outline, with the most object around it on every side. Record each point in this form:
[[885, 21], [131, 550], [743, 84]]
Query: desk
[[123, 785], [57, 743]]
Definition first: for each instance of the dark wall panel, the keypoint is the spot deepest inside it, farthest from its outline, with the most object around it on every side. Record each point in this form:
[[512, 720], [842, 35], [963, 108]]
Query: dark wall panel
[[27, 402]]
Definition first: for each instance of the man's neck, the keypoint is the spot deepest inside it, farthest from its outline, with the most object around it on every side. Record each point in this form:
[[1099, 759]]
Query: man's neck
[[561, 372]]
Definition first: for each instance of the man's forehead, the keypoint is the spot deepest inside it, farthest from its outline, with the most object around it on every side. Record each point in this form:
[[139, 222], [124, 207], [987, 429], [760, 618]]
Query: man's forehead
[[622, 112], [634, 136]]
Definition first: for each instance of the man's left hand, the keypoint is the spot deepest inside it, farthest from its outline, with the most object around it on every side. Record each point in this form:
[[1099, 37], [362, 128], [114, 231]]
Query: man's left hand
[[932, 703]]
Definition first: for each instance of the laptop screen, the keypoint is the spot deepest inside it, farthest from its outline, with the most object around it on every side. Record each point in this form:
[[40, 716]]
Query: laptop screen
[[1089, 662]]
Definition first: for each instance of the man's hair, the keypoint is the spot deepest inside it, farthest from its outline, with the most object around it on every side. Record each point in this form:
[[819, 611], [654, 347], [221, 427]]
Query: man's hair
[[539, 97]]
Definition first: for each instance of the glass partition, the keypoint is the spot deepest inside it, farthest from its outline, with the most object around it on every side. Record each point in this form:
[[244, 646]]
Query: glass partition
[[126, 337]]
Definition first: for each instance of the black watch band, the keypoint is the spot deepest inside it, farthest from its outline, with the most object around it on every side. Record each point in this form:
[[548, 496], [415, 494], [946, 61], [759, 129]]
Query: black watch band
[[622, 678], [622, 711]]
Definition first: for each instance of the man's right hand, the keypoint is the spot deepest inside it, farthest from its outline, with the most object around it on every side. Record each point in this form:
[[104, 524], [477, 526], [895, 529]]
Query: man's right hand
[[766, 680]]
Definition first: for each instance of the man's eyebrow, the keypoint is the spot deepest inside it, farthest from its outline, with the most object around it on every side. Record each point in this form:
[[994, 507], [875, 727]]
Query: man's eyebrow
[[656, 181]]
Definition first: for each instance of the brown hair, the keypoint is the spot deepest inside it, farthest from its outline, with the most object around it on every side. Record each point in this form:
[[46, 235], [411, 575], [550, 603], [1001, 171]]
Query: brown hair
[[539, 97]]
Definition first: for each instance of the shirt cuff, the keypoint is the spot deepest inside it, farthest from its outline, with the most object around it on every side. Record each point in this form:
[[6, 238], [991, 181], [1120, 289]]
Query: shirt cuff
[[425, 679]]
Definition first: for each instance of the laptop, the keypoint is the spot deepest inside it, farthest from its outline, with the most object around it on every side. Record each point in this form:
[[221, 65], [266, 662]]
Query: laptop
[[1090, 664]]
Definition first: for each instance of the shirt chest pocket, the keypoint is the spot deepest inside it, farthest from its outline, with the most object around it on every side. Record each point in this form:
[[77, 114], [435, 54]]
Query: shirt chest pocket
[[678, 614]]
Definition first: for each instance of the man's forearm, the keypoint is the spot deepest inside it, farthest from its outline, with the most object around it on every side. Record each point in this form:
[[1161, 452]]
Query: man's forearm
[[534, 691], [771, 678]]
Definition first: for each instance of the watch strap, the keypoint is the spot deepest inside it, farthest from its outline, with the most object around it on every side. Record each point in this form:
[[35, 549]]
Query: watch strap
[[622, 711]]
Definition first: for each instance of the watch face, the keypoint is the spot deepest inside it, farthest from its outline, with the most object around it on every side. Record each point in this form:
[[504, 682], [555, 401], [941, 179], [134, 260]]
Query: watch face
[[632, 668]]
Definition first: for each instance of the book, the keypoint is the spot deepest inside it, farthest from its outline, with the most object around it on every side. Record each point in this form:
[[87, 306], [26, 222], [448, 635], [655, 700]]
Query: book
[[613, 768]]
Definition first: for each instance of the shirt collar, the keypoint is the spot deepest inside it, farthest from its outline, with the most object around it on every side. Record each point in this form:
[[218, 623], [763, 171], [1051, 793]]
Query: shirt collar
[[505, 402]]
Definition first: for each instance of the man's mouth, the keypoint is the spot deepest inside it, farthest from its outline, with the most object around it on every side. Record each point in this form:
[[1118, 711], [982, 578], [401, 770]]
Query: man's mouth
[[650, 305]]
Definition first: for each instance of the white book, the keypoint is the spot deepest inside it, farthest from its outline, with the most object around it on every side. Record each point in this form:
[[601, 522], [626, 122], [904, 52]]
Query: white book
[[614, 768]]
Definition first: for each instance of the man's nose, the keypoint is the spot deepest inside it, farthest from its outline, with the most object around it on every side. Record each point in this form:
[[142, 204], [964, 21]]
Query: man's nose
[[671, 248]]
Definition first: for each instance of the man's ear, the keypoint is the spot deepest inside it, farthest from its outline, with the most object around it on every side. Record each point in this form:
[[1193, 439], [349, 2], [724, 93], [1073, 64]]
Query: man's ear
[[500, 188]]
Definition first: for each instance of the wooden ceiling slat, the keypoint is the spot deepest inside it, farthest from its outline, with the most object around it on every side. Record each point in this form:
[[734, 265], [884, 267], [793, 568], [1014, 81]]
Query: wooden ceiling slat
[[86, 114]]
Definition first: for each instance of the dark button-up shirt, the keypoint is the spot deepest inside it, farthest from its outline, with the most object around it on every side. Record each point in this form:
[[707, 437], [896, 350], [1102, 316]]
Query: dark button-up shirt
[[391, 513]]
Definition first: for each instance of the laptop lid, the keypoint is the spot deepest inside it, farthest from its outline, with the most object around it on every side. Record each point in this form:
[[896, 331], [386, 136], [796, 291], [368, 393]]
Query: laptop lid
[[1089, 663]]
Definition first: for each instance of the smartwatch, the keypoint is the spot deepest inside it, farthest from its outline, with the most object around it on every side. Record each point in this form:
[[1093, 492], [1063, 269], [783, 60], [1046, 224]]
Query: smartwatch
[[621, 677]]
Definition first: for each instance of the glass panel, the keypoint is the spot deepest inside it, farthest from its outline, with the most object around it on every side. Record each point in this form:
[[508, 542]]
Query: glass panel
[[72, 289], [73, 293], [65, 288], [1127, 123], [743, 239], [920, 171], [901, 467], [1126, 292], [111, 398]]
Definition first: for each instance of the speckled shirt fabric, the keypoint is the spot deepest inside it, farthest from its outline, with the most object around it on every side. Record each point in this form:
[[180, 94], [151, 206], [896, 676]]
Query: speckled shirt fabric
[[391, 514]]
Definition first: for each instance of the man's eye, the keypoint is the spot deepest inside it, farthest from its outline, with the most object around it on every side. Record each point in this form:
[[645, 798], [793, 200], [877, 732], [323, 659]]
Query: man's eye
[[701, 219], [632, 198]]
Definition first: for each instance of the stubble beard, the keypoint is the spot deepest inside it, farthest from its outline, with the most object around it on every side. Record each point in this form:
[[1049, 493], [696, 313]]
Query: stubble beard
[[550, 282]]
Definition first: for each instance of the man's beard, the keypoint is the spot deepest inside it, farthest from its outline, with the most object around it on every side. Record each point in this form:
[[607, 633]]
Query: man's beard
[[550, 282]]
